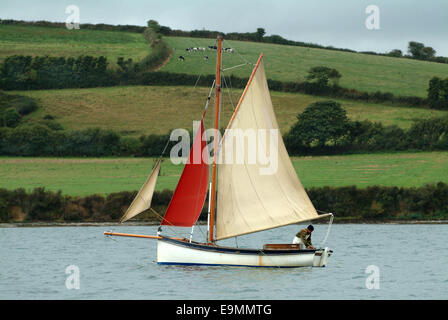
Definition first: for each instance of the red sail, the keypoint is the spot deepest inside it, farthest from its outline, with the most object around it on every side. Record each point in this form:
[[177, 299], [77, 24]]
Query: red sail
[[189, 197]]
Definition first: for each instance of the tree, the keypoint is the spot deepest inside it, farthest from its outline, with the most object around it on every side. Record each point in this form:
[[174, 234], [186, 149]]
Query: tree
[[320, 123], [434, 92], [438, 93], [415, 49], [395, 53], [419, 51], [260, 34], [428, 53], [154, 25], [11, 118]]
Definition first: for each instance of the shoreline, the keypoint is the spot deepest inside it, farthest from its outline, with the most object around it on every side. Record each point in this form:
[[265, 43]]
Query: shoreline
[[152, 223]]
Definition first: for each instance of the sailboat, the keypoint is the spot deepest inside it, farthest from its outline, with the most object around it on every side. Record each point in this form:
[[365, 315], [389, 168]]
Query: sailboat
[[242, 199]]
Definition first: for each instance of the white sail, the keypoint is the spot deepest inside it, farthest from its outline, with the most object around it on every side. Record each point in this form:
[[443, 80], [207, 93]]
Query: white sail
[[143, 199], [249, 201]]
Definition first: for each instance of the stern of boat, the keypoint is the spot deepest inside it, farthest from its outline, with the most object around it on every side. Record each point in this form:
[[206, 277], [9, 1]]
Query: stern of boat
[[321, 257]]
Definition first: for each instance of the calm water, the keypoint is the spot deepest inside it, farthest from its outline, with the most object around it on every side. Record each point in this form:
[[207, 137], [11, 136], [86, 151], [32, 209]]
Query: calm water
[[412, 261]]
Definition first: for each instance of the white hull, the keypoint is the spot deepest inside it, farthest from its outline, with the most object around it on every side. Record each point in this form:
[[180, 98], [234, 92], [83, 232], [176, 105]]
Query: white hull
[[170, 251]]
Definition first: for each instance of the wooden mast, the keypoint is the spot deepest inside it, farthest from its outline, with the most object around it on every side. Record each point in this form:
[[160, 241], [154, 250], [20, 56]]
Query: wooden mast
[[215, 140]]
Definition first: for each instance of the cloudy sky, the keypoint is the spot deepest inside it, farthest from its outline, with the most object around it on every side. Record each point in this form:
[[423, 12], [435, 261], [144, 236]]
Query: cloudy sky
[[340, 23]]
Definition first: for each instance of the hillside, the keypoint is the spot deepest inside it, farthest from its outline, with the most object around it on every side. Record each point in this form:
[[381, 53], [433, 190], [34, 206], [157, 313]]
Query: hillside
[[363, 72], [136, 110], [40, 41]]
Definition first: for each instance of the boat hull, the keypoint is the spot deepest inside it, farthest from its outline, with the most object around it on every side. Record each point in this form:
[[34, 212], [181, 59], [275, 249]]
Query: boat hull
[[177, 252]]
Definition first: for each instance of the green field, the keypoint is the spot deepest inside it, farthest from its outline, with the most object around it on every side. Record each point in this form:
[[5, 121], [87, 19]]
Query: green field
[[135, 110], [40, 41], [81, 176], [289, 63]]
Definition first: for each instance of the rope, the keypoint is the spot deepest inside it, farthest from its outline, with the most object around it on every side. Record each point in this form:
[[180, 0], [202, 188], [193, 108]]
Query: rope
[[208, 99], [200, 74], [243, 58], [200, 229], [161, 219], [229, 90], [240, 65], [164, 149], [328, 231]]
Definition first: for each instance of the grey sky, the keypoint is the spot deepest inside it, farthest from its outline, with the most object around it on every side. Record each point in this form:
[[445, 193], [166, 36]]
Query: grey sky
[[340, 23]]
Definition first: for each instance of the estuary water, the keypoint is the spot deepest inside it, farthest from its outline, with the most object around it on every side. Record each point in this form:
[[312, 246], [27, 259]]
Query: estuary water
[[370, 261]]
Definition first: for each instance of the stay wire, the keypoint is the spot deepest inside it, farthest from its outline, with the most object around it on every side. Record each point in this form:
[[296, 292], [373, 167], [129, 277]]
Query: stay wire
[[229, 90]]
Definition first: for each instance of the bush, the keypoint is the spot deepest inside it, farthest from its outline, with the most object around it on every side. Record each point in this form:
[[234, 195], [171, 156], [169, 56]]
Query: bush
[[438, 93], [10, 118], [428, 134], [45, 205]]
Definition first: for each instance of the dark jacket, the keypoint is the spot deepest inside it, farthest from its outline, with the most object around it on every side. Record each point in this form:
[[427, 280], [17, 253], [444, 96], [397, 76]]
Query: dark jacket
[[305, 236]]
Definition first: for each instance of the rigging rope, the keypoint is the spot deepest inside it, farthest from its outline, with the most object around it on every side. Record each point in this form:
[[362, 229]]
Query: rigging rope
[[328, 231], [240, 65], [228, 91]]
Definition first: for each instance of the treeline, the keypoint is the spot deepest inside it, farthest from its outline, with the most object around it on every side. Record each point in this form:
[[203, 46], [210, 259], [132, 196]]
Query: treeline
[[375, 203], [46, 139], [90, 26], [43, 205], [378, 202], [41, 139], [31, 73]]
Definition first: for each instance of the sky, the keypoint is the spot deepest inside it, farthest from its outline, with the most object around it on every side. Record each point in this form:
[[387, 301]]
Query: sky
[[339, 23]]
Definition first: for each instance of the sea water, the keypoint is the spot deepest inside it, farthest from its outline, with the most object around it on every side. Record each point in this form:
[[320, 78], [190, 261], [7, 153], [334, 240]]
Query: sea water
[[370, 261]]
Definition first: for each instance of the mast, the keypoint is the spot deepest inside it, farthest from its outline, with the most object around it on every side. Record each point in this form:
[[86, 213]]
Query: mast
[[215, 140]]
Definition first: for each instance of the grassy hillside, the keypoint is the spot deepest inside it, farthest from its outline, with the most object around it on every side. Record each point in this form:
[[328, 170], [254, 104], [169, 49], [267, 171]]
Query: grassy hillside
[[39, 41], [136, 110], [289, 63], [80, 176]]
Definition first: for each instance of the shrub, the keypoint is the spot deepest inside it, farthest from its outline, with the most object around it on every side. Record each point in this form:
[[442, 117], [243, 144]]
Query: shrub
[[10, 118]]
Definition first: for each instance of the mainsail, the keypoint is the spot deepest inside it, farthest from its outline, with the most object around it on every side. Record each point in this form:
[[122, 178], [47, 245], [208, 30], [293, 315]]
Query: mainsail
[[249, 201], [189, 197], [142, 200]]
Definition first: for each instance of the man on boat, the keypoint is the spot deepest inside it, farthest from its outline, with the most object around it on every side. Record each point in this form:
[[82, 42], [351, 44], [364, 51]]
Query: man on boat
[[303, 238]]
